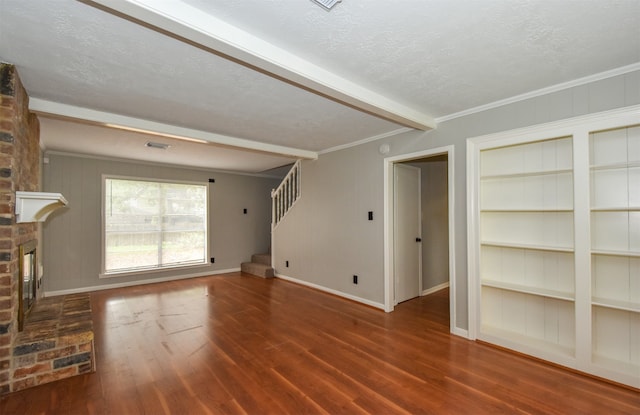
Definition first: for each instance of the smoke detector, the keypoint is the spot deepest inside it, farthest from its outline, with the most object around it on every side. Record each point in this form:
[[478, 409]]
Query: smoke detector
[[327, 4]]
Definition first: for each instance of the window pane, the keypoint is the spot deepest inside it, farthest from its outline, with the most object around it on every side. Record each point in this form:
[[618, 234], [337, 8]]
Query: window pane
[[125, 251], [181, 247], [154, 224]]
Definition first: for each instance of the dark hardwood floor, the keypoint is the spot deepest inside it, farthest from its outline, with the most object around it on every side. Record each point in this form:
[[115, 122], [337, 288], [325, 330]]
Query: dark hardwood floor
[[246, 345]]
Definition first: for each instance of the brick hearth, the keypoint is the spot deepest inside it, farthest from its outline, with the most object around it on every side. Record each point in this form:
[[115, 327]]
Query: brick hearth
[[56, 343]]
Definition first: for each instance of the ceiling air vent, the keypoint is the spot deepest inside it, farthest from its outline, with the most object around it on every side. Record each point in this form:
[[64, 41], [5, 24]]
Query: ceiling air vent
[[327, 4], [160, 146]]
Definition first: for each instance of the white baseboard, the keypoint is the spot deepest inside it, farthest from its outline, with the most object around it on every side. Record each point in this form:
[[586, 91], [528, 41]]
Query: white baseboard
[[461, 332], [332, 291], [139, 282], [436, 288]]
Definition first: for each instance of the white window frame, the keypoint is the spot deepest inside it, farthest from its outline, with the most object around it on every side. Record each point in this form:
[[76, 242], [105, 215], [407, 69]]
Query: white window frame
[[112, 274]]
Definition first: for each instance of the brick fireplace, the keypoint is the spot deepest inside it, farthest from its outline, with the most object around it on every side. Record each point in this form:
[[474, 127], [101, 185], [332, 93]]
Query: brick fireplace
[[57, 340]]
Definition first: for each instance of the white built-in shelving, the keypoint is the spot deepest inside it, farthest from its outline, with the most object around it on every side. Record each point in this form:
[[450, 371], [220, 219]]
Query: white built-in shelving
[[614, 158], [554, 242], [526, 244]]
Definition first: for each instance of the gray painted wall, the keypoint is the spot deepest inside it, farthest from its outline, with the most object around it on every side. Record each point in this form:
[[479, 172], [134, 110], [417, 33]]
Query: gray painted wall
[[327, 237], [435, 225], [71, 236]]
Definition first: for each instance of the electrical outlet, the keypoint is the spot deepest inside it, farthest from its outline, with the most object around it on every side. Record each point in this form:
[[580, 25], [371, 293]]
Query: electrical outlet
[[286, 264], [355, 279], [213, 260]]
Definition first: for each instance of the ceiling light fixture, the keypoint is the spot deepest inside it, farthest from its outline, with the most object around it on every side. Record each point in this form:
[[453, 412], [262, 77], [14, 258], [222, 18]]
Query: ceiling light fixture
[[160, 146], [327, 4]]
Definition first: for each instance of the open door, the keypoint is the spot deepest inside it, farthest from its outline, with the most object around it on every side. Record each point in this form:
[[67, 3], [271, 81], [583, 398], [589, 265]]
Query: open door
[[407, 235]]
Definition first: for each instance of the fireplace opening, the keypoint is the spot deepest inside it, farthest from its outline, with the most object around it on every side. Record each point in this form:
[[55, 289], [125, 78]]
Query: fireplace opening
[[27, 284]]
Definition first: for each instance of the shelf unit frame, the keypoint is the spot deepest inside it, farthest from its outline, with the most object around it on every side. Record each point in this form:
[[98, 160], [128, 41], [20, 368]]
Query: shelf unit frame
[[582, 356]]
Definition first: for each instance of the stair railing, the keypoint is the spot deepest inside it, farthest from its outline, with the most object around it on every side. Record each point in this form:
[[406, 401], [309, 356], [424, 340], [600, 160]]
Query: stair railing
[[286, 195]]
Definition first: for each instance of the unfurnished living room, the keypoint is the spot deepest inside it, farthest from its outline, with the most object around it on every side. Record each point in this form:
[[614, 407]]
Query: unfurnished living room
[[319, 207]]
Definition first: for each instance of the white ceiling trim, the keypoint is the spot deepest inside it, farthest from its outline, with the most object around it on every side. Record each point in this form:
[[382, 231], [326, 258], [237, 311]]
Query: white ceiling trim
[[365, 140], [544, 91], [107, 119], [191, 24]]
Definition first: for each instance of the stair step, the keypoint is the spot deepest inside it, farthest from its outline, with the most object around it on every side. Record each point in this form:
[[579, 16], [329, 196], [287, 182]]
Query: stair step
[[260, 270], [261, 259]]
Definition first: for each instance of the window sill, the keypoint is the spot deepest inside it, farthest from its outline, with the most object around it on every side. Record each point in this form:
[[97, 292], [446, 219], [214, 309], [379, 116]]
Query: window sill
[[150, 271]]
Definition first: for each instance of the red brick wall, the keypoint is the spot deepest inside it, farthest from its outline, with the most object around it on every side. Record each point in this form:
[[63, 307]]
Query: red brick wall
[[19, 170]]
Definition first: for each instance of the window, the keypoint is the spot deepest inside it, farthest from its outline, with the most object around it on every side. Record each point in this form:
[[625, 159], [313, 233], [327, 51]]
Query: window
[[150, 225]]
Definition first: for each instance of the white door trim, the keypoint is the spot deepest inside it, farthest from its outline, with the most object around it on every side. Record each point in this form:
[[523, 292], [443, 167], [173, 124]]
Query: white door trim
[[389, 226]]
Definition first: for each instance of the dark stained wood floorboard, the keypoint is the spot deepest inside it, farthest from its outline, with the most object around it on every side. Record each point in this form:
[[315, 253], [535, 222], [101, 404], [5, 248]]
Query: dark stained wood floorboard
[[235, 344]]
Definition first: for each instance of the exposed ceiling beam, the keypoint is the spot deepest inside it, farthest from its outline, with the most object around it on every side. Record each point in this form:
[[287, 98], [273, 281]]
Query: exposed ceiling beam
[[190, 24], [111, 120]]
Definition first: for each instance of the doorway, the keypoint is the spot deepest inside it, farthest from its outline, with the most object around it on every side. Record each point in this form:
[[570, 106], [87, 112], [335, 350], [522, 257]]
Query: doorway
[[435, 245]]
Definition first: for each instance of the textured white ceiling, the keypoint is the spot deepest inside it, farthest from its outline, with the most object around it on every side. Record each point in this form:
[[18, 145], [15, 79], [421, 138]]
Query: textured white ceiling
[[438, 57], [446, 56]]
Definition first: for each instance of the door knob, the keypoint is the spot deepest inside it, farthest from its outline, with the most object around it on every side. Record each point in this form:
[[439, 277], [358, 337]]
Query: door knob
[[418, 239]]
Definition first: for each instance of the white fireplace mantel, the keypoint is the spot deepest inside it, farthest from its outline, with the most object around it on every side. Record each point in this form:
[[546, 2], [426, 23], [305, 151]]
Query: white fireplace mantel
[[37, 206]]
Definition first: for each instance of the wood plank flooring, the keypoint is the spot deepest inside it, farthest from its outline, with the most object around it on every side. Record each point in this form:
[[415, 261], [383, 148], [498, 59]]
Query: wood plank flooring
[[236, 344]]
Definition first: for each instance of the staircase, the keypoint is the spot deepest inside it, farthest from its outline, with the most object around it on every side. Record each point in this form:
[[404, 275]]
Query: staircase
[[259, 266], [283, 198], [286, 195]]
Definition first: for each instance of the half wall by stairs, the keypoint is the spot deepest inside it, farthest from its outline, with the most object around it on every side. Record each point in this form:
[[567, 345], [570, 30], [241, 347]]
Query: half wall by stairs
[[260, 266]]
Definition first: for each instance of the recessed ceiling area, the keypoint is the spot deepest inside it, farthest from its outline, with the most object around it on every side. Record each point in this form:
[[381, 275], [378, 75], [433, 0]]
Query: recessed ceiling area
[[287, 79], [98, 141]]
